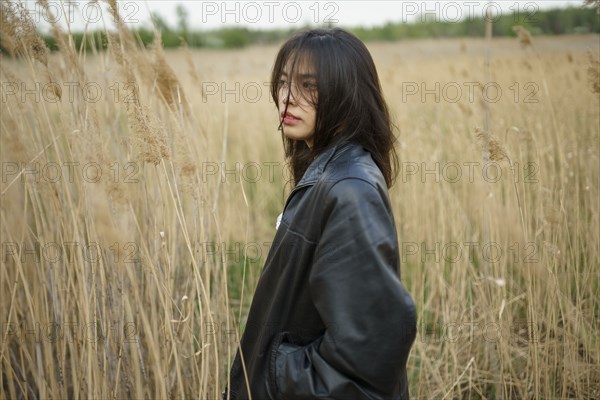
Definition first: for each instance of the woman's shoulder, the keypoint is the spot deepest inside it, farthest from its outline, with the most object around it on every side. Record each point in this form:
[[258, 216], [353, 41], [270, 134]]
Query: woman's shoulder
[[352, 161], [352, 182]]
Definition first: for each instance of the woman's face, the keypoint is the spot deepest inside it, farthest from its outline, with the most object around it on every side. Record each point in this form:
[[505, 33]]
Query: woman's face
[[298, 121]]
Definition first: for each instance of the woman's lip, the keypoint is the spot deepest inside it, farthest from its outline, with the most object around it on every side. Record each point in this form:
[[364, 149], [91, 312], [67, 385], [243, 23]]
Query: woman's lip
[[288, 115], [289, 120]]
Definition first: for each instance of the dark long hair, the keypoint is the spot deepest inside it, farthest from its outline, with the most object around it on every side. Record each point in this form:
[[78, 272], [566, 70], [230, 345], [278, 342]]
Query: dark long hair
[[350, 104]]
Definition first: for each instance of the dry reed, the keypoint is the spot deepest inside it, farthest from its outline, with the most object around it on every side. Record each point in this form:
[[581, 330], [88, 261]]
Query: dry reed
[[157, 312]]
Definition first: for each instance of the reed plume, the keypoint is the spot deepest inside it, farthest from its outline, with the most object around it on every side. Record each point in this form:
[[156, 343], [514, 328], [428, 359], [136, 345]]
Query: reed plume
[[495, 149], [524, 36], [19, 34], [168, 85]]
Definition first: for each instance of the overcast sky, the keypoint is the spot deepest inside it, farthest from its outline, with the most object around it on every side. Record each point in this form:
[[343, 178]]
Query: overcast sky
[[277, 14]]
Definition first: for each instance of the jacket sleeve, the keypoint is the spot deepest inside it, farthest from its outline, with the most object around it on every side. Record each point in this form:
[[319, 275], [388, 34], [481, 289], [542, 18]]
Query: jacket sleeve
[[369, 316]]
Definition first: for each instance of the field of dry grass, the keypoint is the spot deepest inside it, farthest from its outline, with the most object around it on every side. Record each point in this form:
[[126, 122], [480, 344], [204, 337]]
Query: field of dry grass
[[140, 189]]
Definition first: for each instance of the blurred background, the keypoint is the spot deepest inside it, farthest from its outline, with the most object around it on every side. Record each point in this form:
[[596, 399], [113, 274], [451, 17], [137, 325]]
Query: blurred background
[[142, 174]]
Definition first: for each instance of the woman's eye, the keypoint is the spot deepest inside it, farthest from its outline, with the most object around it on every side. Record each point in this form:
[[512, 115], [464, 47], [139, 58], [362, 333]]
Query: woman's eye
[[309, 85]]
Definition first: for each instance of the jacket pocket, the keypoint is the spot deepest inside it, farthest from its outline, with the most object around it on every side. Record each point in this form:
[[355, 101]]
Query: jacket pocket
[[273, 391]]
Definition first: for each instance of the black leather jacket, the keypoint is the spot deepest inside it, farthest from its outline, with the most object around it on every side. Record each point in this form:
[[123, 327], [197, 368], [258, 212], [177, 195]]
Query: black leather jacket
[[330, 318]]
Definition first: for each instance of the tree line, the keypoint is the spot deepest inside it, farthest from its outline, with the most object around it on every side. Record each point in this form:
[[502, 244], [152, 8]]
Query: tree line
[[549, 22]]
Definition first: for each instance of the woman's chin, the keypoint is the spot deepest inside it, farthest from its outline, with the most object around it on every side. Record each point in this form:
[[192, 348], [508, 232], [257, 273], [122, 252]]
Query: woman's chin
[[294, 134]]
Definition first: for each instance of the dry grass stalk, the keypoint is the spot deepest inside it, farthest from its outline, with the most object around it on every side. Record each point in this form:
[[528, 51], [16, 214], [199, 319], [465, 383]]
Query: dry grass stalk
[[190, 63], [53, 85], [130, 87], [495, 149], [166, 80], [594, 73], [149, 140], [523, 35], [20, 37], [14, 143], [65, 43], [496, 152], [9, 24], [138, 58], [19, 34], [124, 34], [545, 344]]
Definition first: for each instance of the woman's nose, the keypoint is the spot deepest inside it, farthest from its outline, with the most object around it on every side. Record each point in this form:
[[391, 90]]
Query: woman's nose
[[287, 94]]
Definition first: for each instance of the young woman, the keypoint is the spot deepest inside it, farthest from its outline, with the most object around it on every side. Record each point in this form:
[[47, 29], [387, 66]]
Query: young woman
[[330, 318]]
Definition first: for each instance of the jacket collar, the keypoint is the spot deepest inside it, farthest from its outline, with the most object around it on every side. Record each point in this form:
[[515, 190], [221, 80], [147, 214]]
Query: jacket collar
[[316, 168]]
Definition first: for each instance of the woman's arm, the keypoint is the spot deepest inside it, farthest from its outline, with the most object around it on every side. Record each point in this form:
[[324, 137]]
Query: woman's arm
[[370, 318]]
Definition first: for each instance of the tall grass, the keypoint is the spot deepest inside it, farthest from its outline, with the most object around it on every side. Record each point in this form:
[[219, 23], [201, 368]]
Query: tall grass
[[134, 226]]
